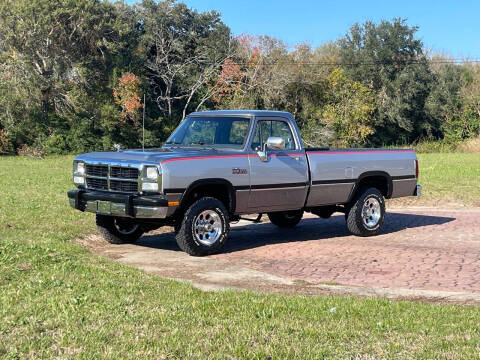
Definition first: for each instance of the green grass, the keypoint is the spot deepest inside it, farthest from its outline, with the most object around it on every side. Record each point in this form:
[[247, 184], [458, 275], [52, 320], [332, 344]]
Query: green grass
[[450, 178], [57, 300]]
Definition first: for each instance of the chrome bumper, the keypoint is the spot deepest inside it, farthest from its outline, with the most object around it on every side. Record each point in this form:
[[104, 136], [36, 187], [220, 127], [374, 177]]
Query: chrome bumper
[[123, 205], [418, 191]]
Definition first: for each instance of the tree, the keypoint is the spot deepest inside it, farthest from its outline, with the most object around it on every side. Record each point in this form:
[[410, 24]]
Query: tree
[[57, 59], [127, 95], [349, 111], [184, 52], [389, 59], [444, 102], [465, 123]]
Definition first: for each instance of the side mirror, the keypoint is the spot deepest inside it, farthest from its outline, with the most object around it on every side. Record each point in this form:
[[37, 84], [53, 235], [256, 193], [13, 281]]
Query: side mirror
[[274, 143]]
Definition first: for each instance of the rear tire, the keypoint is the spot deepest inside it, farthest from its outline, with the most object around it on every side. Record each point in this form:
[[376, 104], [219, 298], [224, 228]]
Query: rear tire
[[286, 219], [118, 230], [366, 213], [204, 227]]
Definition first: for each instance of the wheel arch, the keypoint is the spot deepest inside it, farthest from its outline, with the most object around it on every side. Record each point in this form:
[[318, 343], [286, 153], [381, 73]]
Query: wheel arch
[[378, 179], [220, 188]]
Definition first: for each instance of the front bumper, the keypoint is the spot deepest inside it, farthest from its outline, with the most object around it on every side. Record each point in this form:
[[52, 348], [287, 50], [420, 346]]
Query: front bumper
[[116, 204]]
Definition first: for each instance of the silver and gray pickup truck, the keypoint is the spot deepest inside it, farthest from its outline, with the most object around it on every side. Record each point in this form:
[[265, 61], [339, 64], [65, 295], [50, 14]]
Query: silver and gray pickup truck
[[219, 165]]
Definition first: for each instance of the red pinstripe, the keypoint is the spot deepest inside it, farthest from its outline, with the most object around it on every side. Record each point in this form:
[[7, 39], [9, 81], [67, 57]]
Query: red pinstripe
[[289, 154], [359, 152]]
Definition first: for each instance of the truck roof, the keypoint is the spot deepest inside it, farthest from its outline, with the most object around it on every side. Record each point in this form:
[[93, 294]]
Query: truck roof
[[242, 112]]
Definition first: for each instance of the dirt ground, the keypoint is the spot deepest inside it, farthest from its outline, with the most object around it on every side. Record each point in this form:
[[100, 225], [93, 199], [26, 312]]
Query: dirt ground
[[422, 253]]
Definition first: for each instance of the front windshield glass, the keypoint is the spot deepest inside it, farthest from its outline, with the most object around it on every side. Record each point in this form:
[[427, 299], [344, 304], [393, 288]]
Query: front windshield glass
[[215, 131]]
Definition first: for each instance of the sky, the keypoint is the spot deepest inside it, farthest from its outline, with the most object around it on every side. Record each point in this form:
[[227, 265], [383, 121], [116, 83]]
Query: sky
[[449, 27]]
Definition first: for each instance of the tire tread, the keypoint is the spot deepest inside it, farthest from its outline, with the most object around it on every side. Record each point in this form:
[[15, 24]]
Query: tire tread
[[353, 213], [106, 228], [184, 237]]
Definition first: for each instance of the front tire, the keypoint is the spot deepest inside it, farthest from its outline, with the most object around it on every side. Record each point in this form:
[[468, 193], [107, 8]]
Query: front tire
[[204, 228], [286, 219], [366, 214], [118, 230]]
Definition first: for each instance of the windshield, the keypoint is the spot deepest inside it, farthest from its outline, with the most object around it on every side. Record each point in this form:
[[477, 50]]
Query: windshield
[[215, 131]]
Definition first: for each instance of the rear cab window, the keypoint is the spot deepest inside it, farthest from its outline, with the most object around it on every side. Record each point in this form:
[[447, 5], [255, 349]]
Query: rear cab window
[[268, 128]]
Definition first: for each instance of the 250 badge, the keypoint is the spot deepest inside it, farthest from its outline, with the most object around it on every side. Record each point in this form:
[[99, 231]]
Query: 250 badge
[[238, 171]]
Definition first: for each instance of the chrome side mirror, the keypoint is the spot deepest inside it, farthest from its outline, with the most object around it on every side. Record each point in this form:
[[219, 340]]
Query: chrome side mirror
[[274, 143]]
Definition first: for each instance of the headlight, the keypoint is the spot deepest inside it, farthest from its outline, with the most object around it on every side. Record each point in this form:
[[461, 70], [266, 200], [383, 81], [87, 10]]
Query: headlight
[[79, 173], [150, 180], [79, 168], [79, 180], [149, 186], [151, 173]]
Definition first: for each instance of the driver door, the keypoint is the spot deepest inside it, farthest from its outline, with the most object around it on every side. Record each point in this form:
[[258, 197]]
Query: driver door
[[280, 183]]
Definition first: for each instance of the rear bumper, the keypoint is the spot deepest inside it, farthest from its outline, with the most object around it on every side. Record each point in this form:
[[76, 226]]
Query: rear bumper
[[418, 190], [115, 204]]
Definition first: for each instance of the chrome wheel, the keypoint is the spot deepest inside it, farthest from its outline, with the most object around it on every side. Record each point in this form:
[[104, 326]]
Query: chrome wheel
[[125, 227], [207, 227], [371, 212]]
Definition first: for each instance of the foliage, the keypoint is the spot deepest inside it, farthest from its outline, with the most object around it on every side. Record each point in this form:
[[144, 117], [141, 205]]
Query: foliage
[[466, 123], [349, 110], [6, 146], [470, 146], [437, 146], [184, 51], [389, 59], [127, 96], [72, 73]]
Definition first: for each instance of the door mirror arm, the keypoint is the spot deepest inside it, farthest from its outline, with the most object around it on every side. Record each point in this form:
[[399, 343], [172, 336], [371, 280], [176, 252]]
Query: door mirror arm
[[263, 155], [273, 142]]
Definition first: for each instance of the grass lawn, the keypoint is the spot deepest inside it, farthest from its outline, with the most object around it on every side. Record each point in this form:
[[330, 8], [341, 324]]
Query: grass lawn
[[450, 177], [57, 300], [448, 180]]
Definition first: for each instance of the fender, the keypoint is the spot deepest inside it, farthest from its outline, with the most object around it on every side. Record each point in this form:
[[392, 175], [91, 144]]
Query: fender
[[211, 181], [368, 174]]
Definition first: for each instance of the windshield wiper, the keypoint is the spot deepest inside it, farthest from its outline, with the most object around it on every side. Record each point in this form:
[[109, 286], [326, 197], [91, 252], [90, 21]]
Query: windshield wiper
[[173, 143], [201, 143]]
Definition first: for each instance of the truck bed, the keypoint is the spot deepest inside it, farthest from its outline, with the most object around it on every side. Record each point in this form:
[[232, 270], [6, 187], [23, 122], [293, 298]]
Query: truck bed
[[335, 172]]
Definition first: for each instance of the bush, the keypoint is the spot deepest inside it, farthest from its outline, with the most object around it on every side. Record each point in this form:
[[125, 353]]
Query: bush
[[30, 151], [6, 146], [470, 146], [439, 146]]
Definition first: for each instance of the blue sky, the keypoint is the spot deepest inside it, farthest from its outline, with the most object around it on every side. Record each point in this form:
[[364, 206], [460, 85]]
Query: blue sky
[[451, 27]]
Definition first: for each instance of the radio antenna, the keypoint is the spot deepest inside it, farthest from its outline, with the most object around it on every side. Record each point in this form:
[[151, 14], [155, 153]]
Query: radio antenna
[[143, 125]]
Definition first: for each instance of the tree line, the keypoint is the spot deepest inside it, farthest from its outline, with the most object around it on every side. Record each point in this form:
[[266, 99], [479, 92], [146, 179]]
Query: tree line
[[73, 74]]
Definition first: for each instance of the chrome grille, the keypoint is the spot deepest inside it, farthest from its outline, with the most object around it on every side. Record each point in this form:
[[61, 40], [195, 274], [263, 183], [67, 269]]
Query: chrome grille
[[112, 178], [97, 170], [125, 186], [100, 184], [124, 172]]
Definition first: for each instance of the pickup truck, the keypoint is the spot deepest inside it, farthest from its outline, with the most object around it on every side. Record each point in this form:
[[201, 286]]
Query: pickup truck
[[219, 165]]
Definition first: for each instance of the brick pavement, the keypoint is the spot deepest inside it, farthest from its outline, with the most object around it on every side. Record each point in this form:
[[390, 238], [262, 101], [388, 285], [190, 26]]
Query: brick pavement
[[418, 249]]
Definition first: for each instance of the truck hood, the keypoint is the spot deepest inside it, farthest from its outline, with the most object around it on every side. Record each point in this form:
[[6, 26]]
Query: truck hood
[[152, 156]]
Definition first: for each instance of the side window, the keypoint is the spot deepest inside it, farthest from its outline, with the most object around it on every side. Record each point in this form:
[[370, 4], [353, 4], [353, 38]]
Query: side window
[[267, 128], [256, 142], [238, 132]]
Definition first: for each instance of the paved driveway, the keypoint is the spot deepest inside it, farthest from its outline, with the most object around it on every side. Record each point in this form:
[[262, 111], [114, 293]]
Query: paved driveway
[[421, 249], [425, 249]]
